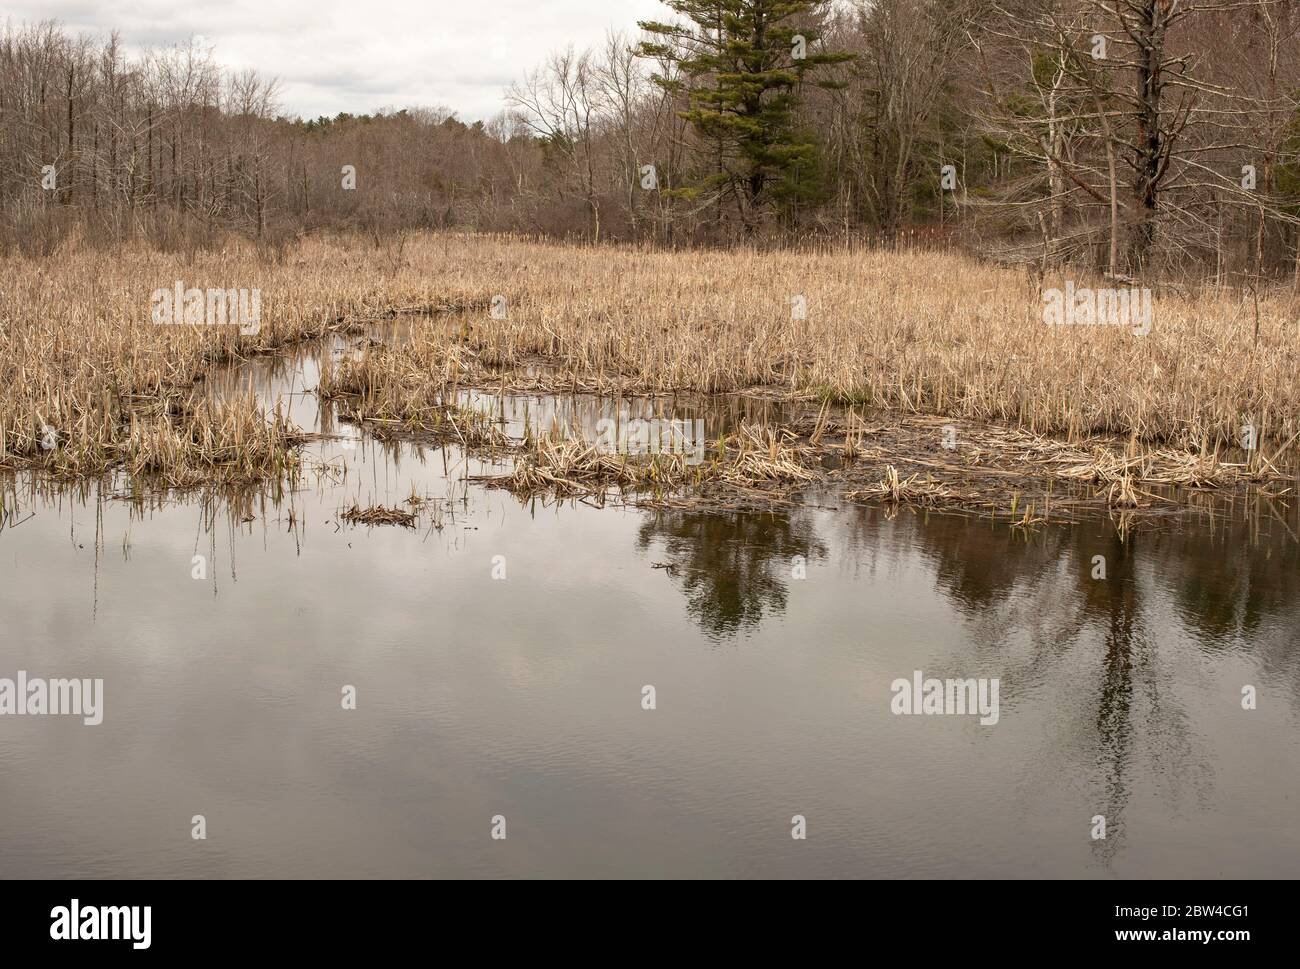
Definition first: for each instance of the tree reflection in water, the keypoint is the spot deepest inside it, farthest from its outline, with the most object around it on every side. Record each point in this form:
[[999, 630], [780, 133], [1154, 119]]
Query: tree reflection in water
[[1097, 649], [733, 568]]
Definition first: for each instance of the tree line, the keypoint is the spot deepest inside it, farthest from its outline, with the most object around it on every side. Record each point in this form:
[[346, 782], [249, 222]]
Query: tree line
[[1130, 136]]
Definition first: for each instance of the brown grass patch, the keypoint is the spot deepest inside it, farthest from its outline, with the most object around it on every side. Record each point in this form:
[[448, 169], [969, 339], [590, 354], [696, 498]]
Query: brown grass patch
[[378, 515], [752, 458], [906, 334]]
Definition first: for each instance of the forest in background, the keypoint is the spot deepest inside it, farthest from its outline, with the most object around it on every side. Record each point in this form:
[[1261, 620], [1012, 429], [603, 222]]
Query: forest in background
[[1153, 137]]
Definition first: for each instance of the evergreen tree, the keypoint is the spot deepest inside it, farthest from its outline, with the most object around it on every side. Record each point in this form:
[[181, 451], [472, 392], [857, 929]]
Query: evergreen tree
[[740, 63]]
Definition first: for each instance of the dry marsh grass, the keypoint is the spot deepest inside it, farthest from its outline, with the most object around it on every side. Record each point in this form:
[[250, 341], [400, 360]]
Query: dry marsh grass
[[919, 332], [378, 515], [90, 383], [915, 333], [997, 472], [751, 459], [894, 489], [381, 391]]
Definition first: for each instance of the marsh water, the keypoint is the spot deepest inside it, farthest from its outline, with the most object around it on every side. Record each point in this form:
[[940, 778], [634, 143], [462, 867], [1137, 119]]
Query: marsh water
[[500, 649]]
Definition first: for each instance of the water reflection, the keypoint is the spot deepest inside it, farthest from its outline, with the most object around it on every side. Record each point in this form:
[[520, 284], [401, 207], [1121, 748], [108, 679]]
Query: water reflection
[[732, 569], [1120, 695]]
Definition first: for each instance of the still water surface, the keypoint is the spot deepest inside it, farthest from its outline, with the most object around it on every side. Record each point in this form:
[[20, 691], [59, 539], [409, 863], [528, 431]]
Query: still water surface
[[522, 697]]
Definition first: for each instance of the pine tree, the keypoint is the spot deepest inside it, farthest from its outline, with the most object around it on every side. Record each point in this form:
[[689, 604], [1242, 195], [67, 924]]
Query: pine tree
[[739, 64]]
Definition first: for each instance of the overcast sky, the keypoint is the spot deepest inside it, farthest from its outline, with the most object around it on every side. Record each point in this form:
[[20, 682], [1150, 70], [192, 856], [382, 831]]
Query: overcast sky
[[360, 55]]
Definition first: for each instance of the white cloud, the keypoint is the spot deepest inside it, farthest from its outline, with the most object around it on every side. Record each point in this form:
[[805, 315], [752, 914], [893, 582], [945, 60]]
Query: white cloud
[[357, 55]]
